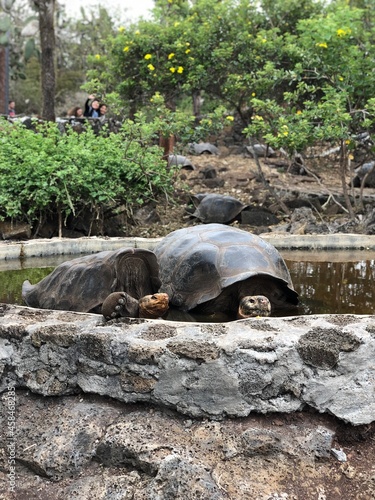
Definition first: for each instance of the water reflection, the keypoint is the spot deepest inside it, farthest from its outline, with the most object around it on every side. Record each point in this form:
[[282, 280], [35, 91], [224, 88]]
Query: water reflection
[[334, 287], [327, 282]]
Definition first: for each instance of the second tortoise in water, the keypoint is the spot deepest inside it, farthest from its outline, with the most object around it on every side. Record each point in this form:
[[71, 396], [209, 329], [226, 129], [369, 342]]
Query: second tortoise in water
[[216, 268], [115, 283]]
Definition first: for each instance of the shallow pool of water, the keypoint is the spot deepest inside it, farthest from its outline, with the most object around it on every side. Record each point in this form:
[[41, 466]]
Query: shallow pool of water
[[327, 282]]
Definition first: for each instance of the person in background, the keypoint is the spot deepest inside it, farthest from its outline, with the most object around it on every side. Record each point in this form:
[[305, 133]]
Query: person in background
[[11, 108], [103, 109], [92, 107], [76, 112]]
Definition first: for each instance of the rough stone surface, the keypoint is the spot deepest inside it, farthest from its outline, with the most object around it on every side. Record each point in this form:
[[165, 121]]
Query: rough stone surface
[[138, 409], [85, 447], [199, 369]]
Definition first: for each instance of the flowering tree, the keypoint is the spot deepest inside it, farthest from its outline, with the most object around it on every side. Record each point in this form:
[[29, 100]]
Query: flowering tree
[[331, 82], [192, 50]]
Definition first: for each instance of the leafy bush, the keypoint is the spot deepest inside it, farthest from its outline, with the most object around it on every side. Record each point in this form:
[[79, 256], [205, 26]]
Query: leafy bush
[[46, 172]]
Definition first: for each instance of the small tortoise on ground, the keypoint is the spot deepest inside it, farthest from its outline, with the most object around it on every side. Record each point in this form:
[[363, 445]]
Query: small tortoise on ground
[[217, 268], [212, 207], [125, 280]]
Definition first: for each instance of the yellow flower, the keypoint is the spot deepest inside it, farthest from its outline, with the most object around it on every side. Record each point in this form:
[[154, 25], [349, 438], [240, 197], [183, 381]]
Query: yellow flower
[[97, 57], [323, 45], [299, 112], [172, 70], [125, 49], [171, 56], [176, 24], [341, 32], [285, 131], [230, 118], [187, 44], [187, 51], [347, 141], [137, 32], [253, 94], [148, 56], [341, 78], [180, 69], [150, 67], [121, 29], [351, 157], [257, 117]]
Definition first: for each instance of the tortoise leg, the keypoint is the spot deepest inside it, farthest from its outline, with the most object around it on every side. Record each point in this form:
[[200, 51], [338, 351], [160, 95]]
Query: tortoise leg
[[120, 304]]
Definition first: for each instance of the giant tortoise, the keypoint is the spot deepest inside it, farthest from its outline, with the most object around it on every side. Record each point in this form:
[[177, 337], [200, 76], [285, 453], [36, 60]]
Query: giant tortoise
[[214, 268], [212, 207], [123, 282]]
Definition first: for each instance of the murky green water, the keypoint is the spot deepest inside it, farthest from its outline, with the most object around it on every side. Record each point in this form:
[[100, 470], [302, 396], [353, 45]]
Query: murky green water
[[328, 282], [335, 287]]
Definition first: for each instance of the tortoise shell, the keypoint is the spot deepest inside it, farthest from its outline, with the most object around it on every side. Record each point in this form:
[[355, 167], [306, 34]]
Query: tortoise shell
[[82, 284], [212, 207], [197, 264]]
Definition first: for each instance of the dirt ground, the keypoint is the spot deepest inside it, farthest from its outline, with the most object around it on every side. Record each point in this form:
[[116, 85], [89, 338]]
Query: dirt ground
[[233, 172]]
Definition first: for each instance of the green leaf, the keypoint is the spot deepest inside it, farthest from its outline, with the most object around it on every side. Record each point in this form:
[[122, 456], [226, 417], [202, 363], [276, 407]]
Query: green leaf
[[4, 40], [5, 23], [30, 49]]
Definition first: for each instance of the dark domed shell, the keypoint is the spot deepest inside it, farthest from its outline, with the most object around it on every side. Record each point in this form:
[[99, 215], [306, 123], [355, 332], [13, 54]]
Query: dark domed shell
[[216, 208], [82, 284], [197, 263], [180, 160], [203, 147]]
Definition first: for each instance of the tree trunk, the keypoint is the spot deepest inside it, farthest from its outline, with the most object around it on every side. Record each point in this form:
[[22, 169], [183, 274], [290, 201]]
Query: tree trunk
[[3, 80], [197, 103], [343, 163], [46, 12], [167, 143]]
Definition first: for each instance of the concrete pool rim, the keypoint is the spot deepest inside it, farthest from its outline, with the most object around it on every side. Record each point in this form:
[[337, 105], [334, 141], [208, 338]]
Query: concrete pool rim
[[60, 246]]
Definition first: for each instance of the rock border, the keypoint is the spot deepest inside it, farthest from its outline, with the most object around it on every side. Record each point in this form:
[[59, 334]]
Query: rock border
[[215, 371]]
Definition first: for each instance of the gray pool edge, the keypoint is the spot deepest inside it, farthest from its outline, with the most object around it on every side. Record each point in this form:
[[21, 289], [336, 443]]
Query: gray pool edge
[[60, 246]]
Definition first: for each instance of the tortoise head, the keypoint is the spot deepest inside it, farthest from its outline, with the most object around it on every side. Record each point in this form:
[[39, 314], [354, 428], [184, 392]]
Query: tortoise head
[[153, 306], [252, 306]]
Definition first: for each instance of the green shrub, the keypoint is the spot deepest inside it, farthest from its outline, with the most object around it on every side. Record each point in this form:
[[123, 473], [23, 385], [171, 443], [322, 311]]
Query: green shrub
[[46, 172]]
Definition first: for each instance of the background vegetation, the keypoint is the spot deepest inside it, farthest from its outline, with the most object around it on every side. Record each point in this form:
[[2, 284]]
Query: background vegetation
[[293, 72]]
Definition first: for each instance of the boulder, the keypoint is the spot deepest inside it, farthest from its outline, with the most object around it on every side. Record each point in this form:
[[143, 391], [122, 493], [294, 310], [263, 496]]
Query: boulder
[[202, 370]]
